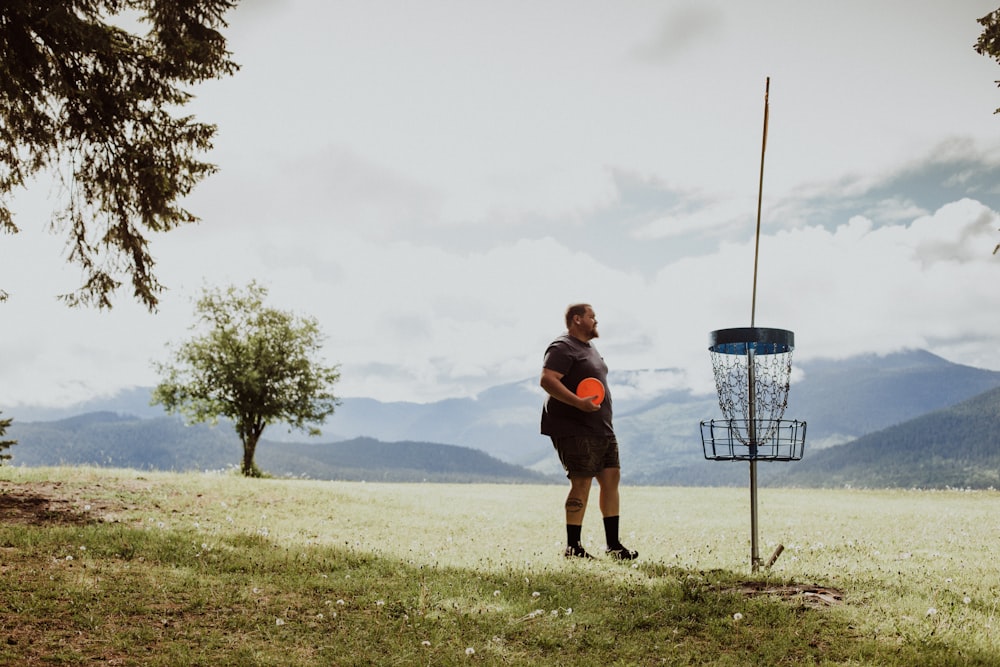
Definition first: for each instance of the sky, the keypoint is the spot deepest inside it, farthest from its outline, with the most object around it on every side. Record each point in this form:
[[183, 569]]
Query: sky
[[435, 181]]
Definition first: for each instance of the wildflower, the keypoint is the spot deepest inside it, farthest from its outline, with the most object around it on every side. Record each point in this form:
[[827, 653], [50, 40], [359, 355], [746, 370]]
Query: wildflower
[[279, 621], [536, 594], [932, 611], [425, 643], [83, 548], [256, 590], [496, 593], [966, 600], [69, 558], [569, 610], [555, 612], [470, 651], [737, 616], [340, 602], [380, 603], [319, 616], [86, 508]]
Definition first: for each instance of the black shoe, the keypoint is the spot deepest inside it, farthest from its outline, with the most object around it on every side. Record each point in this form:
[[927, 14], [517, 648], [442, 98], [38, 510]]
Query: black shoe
[[621, 553], [576, 551]]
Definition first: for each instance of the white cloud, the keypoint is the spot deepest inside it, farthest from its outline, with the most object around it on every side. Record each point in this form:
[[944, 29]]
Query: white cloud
[[436, 181]]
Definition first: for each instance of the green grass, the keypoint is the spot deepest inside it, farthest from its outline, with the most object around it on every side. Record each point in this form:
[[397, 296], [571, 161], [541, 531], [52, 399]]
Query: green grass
[[119, 567]]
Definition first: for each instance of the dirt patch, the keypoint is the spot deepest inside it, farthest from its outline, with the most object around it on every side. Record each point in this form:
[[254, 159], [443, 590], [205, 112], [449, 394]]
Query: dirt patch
[[819, 596], [48, 503]]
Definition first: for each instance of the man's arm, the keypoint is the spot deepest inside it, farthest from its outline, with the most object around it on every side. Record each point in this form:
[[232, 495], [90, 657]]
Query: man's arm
[[553, 387]]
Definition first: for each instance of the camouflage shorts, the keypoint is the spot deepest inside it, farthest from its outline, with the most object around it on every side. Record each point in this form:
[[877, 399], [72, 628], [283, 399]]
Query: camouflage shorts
[[586, 455]]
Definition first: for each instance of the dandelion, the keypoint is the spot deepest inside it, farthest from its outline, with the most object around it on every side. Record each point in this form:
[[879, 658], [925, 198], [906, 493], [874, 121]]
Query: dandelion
[[737, 616], [932, 611], [470, 651]]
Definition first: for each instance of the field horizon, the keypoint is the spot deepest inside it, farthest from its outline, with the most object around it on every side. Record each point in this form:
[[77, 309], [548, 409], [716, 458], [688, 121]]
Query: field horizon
[[122, 565]]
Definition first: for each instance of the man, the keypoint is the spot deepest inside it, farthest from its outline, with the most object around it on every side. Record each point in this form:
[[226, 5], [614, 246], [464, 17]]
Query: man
[[581, 430]]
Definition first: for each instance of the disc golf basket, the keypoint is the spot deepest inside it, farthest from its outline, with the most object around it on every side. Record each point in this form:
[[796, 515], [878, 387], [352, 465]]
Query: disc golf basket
[[752, 368]]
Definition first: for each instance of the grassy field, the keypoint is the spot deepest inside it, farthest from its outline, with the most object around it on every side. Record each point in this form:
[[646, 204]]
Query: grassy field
[[118, 567]]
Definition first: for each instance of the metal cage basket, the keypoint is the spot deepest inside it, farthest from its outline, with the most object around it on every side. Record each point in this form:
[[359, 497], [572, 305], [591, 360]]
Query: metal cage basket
[[760, 440], [752, 368]]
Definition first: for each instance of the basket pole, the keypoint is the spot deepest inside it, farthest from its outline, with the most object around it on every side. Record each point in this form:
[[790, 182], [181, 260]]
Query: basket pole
[[752, 413], [754, 553]]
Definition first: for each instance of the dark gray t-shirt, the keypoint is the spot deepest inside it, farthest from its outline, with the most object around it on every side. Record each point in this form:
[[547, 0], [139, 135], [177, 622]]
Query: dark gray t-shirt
[[576, 360]]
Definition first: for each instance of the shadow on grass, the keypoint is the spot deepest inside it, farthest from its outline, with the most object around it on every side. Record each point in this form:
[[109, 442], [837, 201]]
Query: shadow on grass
[[91, 591]]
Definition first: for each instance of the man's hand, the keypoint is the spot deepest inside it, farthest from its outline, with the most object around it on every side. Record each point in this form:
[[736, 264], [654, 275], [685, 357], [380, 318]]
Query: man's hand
[[551, 383]]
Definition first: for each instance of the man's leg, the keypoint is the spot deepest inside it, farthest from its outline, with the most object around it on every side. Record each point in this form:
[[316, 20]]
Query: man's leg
[[576, 507], [610, 501]]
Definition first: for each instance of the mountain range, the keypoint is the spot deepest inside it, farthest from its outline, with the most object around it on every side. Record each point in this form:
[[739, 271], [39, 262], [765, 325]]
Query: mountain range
[[904, 419]]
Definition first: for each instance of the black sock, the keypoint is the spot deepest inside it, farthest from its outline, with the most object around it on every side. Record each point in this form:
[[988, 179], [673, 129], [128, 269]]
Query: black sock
[[611, 531], [573, 534]]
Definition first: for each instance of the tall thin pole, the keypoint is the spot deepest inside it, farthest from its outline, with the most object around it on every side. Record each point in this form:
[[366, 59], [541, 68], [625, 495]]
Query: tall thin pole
[[751, 355], [760, 197]]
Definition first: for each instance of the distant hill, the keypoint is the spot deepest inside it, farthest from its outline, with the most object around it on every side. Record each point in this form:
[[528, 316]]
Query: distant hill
[[658, 429], [956, 447], [110, 440]]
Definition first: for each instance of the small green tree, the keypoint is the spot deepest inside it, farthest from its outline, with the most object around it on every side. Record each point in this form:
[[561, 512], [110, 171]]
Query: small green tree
[[4, 444], [251, 364]]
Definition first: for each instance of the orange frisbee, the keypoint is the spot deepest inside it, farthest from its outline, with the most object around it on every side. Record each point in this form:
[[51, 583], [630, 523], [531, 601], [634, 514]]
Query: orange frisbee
[[591, 387]]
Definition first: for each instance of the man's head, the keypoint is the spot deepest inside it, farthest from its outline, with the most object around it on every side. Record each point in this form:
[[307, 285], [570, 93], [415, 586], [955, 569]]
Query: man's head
[[581, 322]]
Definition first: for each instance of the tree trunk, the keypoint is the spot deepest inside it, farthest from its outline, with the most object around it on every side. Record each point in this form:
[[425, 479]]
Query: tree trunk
[[249, 447]]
